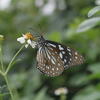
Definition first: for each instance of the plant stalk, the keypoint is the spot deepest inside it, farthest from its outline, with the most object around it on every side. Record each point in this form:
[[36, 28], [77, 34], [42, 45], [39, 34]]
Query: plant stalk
[[9, 88], [63, 97], [4, 73], [10, 64], [1, 59]]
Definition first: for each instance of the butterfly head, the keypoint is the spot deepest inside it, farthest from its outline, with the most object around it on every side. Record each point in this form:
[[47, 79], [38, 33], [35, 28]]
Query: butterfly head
[[40, 41]]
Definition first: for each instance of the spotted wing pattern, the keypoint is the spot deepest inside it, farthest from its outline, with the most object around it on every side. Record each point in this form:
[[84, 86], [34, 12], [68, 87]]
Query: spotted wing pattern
[[54, 57], [69, 56], [49, 62]]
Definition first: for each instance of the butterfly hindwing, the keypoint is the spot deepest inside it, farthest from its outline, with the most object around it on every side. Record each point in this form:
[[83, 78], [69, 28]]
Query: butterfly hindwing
[[49, 62]]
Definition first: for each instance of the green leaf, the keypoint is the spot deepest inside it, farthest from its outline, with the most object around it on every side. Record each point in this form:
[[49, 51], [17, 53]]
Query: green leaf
[[93, 11], [33, 82], [94, 76], [17, 80], [79, 79], [42, 95], [88, 24], [94, 68], [88, 93]]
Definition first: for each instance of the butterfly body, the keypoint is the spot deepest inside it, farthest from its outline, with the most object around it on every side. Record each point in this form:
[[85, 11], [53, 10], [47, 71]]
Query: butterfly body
[[53, 57]]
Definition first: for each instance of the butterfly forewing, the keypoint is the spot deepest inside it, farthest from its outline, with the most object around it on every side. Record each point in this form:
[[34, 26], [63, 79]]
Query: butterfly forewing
[[75, 58], [69, 56]]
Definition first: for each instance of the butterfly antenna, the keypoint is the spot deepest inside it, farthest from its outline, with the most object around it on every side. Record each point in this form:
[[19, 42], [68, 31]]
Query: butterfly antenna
[[40, 28], [34, 32], [37, 33]]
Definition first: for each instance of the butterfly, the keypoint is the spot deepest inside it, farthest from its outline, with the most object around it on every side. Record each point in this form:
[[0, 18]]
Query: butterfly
[[53, 58]]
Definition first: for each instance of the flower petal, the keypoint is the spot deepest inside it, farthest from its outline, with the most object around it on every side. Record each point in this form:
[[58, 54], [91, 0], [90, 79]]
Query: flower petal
[[29, 41], [26, 45], [33, 44], [24, 36], [21, 40]]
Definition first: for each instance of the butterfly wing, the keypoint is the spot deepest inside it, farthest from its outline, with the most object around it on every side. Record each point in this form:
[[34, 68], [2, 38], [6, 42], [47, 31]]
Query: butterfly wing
[[49, 61], [75, 58], [53, 58], [69, 56]]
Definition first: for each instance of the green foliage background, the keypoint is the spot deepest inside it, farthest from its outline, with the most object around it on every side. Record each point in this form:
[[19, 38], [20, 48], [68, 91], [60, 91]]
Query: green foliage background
[[82, 82]]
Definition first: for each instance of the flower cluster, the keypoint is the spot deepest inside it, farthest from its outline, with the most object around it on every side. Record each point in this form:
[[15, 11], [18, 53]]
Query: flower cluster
[[28, 39]]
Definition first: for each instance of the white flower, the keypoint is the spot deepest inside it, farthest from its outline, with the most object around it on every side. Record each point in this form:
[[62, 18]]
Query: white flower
[[60, 91], [49, 8], [28, 39], [21, 40], [1, 37]]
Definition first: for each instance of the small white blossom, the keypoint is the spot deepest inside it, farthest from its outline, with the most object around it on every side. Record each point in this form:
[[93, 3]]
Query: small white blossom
[[1, 37], [21, 40], [27, 38], [26, 46], [29, 41], [60, 91]]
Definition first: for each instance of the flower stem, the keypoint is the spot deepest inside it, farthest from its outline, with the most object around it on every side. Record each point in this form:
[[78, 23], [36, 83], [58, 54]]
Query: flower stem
[[4, 73], [7, 70], [63, 97], [9, 65], [9, 88], [1, 59], [1, 73]]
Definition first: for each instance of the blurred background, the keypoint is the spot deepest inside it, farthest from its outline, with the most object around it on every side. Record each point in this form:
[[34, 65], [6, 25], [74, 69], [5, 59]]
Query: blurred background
[[59, 20]]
